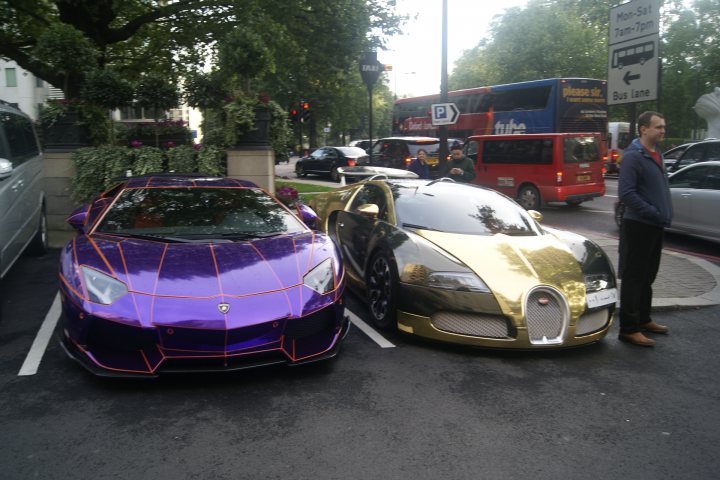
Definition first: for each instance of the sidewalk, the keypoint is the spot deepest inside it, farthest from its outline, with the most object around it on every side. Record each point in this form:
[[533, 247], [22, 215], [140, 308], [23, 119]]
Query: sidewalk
[[683, 280]]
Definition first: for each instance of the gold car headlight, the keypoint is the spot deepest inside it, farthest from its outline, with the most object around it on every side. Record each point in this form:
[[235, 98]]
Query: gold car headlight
[[459, 281], [321, 278], [418, 274], [102, 288]]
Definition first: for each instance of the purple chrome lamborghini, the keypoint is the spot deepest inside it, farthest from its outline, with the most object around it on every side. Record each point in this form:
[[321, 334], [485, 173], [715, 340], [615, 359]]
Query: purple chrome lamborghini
[[181, 273]]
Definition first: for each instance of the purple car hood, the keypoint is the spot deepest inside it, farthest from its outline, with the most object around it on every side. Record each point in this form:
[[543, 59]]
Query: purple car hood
[[197, 270]]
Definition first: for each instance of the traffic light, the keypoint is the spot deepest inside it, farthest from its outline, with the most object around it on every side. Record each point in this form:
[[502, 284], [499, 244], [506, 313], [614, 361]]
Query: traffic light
[[294, 115], [305, 111]]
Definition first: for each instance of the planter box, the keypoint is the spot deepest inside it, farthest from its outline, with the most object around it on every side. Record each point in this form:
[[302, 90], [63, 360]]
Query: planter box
[[260, 135]]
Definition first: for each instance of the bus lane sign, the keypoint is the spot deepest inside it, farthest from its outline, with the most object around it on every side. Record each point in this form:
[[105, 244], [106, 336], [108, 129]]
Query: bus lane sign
[[633, 56]]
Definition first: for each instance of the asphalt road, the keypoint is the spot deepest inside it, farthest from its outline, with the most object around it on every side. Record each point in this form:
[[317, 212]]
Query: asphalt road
[[413, 410]]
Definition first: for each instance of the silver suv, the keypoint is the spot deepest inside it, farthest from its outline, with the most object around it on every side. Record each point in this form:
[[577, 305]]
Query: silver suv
[[23, 225]]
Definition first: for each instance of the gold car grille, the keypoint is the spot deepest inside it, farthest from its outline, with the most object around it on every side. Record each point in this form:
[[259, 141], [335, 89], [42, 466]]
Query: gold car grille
[[546, 316], [477, 325], [592, 322]]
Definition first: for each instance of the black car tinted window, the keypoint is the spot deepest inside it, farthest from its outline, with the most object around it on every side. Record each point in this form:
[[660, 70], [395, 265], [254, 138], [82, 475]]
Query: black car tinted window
[[466, 210], [371, 194]]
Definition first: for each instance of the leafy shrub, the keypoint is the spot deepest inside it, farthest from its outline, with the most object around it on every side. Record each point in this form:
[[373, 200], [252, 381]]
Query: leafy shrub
[[212, 161], [147, 160], [97, 168], [182, 159]]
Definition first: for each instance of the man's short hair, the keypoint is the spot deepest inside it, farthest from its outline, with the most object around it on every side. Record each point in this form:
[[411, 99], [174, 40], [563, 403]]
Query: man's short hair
[[644, 118], [456, 146]]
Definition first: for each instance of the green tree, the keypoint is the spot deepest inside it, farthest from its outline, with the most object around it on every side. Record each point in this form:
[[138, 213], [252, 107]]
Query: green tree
[[542, 40]]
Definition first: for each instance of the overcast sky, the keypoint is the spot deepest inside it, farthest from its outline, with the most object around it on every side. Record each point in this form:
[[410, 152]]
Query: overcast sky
[[418, 48]]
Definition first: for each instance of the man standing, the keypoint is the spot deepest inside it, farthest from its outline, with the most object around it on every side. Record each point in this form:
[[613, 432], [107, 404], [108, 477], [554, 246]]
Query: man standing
[[643, 189], [460, 168]]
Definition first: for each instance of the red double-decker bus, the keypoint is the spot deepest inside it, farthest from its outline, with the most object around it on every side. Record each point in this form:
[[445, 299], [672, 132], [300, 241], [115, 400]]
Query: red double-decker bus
[[556, 105]]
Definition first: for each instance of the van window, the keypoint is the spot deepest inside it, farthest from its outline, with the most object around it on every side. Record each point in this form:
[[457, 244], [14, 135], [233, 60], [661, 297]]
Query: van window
[[581, 150], [19, 136], [523, 151]]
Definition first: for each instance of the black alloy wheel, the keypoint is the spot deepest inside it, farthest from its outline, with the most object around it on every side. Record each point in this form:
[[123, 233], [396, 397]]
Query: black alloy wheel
[[382, 286], [299, 170]]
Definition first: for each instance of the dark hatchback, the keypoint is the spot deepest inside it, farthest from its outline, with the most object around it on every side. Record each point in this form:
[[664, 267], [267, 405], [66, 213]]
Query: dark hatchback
[[326, 161]]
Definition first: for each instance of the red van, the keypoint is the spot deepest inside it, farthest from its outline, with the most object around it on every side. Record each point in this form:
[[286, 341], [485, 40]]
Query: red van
[[539, 168]]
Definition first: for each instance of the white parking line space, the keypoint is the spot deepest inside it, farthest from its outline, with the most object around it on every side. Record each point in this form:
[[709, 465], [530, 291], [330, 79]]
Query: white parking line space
[[368, 330], [37, 350]]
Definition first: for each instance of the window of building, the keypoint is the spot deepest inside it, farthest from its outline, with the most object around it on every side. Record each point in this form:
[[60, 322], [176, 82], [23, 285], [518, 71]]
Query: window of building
[[10, 77]]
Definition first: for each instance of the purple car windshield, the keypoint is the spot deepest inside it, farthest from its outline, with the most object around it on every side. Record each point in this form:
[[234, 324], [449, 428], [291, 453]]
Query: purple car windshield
[[197, 213]]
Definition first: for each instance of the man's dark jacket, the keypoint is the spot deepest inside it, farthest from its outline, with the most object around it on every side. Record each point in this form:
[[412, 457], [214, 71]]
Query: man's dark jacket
[[463, 163], [643, 187]]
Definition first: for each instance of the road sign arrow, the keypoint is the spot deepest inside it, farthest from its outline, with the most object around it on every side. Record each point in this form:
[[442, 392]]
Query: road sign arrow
[[629, 77], [455, 113]]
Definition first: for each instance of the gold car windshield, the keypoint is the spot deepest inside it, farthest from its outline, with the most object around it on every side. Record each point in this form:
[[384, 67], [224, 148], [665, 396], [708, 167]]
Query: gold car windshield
[[458, 208]]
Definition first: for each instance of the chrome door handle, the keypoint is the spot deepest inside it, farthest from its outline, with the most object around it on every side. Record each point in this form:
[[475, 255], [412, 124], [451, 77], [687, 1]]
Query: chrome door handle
[[341, 225]]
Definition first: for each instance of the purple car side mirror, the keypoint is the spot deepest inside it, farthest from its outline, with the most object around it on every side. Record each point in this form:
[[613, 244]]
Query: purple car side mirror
[[307, 215], [78, 218]]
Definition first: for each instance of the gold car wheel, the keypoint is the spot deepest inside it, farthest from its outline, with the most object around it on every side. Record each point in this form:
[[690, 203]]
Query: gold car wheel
[[382, 291]]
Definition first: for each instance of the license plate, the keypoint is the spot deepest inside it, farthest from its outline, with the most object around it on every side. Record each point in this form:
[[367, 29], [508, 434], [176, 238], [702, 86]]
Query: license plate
[[583, 178], [602, 298]]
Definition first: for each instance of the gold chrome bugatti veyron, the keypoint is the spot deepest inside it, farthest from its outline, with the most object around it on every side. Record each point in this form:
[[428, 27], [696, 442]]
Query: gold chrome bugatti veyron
[[465, 264]]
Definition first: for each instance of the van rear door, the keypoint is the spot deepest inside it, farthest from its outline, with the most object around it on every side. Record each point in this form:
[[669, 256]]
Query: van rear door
[[581, 162]]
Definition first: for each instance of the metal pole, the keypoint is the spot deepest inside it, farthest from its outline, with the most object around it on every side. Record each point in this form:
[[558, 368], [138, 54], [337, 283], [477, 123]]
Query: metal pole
[[370, 125], [443, 130]]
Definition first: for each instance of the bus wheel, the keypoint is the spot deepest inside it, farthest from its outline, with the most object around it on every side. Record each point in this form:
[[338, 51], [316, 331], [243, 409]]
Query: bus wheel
[[529, 197]]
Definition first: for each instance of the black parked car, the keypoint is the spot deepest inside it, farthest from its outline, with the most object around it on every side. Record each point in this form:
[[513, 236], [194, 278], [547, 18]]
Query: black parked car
[[326, 161], [707, 150]]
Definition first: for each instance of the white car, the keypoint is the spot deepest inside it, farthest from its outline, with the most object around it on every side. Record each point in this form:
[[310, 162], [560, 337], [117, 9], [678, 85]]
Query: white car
[[695, 192], [23, 225]]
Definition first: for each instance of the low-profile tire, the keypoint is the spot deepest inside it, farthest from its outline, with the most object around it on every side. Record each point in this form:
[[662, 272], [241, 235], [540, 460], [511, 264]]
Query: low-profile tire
[[39, 243], [382, 291], [299, 170], [529, 197]]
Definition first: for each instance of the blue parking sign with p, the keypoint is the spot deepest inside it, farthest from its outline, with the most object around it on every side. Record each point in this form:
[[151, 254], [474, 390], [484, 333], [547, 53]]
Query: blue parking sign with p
[[440, 112]]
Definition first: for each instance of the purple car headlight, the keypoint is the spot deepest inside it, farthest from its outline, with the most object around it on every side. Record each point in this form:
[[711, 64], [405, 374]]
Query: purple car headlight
[[102, 288], [321, 278]]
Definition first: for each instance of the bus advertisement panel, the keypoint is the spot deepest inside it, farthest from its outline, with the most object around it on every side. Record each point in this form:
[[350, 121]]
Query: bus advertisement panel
[[556, 105]]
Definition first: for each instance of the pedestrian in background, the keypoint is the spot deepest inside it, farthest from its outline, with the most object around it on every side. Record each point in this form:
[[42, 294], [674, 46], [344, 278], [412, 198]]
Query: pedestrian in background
[[420, 166], [643, 189], [460, 168]]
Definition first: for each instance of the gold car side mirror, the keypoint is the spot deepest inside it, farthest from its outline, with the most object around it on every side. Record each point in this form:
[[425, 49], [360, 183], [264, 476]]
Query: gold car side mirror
[[369, 210], [535, 215]]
